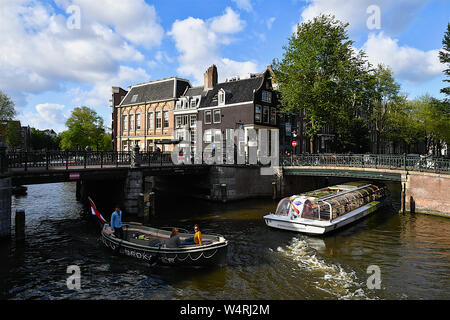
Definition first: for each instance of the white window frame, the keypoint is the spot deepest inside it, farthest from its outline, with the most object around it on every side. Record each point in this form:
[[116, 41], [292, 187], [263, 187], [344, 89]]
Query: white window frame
[[214, 116], [221, 97], [151, 121], [210, 116], [260, 113], [125, 122], [268, 114], [132, 124], [138, 121], [193, 120], [158, 117], [166, 115]]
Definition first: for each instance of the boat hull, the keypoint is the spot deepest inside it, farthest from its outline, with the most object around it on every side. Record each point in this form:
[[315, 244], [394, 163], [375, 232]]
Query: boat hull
[[317, 227], [214, 254]]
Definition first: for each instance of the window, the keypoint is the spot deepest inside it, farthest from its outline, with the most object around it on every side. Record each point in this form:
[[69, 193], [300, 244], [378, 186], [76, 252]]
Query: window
[[266, 96], [150, 146], [178, 121], [166, 148], [221, 97], [166, 119], [138, 121], [266, 114], [134, 98], [217, 116], [273, 116], [193, 103], [124, 146], [131, 121], [158, 120], [178, 105], [207, 117], [208, 135], [193, 120], [151, 124], [125, 123], [257, 113]]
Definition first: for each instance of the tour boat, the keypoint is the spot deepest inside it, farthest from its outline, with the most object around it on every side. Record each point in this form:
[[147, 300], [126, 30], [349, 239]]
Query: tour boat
[[150, 244], [327, 209]]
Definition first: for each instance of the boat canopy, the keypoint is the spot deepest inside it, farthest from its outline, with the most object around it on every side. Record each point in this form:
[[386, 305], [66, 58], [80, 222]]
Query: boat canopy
[[331, 206]]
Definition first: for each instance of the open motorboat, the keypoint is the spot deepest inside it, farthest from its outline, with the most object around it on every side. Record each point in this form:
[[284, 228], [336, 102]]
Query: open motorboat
[[150, 244], [327, 209]]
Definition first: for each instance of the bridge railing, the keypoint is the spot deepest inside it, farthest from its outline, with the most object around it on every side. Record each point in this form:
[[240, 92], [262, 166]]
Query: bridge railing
[[84, 159], [377, 161]]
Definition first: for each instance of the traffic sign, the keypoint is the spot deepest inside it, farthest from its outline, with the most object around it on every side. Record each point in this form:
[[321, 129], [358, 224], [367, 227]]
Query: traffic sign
[[294, 143]]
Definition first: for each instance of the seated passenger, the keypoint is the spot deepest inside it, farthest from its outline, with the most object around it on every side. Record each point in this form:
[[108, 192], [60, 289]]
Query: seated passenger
[[197, 239], [174, 241]]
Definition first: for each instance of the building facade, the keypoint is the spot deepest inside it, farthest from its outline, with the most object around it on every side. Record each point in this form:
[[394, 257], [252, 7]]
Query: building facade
[[145, 116]]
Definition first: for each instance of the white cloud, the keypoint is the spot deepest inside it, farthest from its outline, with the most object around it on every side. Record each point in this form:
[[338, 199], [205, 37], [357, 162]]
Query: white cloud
[[100, 93], [270, 22], [46, 116], [230, 22], [198, 42], [39, 52], [409, 64], [395, 15], [244, 4]]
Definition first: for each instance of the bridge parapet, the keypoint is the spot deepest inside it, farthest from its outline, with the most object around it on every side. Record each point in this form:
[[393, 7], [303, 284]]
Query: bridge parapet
[[376, 161]]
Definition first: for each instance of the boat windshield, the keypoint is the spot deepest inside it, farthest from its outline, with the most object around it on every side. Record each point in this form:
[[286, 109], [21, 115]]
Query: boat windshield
[[283, 207]]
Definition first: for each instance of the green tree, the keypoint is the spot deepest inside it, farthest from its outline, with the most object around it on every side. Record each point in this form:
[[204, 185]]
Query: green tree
[[85, 128], [40, 140], [13, 134], [385, 102], [444, 57], [7, 111], [435, 117], [318, 73]]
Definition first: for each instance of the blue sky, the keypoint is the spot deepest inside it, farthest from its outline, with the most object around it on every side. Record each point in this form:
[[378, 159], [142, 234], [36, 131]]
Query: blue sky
[[60, 54]]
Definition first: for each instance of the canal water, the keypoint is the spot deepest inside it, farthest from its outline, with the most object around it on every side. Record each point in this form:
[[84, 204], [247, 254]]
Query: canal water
[[412, 253]]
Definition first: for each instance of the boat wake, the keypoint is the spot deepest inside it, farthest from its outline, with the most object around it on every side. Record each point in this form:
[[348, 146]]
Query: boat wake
[[325, 276]]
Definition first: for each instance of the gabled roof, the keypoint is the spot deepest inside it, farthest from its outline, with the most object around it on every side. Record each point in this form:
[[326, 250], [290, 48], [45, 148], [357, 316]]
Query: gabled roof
[[165, 89], [236, 91]]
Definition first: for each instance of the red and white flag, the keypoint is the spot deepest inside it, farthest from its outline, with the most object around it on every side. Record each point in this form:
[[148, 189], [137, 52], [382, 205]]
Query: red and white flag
[[95, 212]]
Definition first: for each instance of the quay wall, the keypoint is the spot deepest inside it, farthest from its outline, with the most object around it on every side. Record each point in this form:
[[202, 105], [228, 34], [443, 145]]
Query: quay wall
[[427, 193], [5, 207]]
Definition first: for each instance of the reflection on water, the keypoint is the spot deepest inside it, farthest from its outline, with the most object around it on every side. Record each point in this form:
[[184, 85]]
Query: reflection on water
[[412, 252]]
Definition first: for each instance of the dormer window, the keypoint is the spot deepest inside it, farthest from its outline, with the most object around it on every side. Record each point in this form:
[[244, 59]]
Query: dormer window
[[221, 97], [193, 103], [134, 98], [178, 105]]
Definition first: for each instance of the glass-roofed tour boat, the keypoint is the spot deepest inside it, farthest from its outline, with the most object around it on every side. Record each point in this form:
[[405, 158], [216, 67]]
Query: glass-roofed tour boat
[[327, 209]]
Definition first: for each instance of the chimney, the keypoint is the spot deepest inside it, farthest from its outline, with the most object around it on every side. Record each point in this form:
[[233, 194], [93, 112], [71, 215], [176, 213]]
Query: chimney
[[210, 77]]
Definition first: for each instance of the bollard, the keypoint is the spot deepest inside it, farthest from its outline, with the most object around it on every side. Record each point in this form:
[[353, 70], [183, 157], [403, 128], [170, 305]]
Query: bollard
[[140, 205], [152, 203], [147, 206], [223, 191], [20, 225], [274, 190]]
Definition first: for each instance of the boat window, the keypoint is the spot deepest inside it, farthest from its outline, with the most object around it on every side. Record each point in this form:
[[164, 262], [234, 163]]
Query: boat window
[[283, 207]]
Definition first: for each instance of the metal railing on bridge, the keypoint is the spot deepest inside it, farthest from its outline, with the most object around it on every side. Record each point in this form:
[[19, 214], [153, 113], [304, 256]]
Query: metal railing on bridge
[[83, 159], [377, 161]]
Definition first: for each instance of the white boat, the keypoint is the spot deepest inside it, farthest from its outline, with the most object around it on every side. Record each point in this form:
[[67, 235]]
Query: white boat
[[327, 209]]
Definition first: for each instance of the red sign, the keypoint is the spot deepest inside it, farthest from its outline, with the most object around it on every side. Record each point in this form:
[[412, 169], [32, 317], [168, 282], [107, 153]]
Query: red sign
[[74, 176], [294, 143]]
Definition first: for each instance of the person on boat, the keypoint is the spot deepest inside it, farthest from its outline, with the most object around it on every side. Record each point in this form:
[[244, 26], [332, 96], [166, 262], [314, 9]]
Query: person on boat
[[116, 223], [197, 239], [174, 241]]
